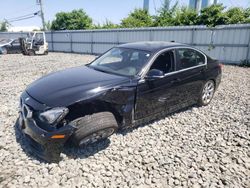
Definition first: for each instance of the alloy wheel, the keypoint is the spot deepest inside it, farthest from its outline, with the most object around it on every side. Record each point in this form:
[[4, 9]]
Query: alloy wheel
[[208, 92]]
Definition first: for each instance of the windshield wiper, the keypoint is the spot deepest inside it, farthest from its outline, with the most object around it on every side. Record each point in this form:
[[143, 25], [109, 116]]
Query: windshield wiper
[[97, 69]]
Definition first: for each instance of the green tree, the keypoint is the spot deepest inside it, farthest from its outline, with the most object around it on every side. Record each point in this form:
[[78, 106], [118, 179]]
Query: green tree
[[107, 25], [166, 16], [185, 16], [247, 15], [235, 15], [4, 26], [74, 20], [212, 16], [247, 12], [137, 18]]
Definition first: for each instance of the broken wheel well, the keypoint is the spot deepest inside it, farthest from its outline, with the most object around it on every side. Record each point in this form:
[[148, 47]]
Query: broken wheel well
[[83, 109]]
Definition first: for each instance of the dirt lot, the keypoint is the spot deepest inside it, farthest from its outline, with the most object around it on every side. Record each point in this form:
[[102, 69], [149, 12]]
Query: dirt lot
[[206, 146]]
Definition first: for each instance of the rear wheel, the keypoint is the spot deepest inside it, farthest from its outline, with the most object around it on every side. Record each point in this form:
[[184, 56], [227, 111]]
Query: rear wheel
[[207, 93], [94, 128]]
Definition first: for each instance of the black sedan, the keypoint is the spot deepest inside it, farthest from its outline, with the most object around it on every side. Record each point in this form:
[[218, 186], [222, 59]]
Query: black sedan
[[10, 46], [128, 85]]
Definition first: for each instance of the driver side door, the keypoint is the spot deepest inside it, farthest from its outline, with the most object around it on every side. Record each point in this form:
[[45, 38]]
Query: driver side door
[[15, 46], [158, 95]]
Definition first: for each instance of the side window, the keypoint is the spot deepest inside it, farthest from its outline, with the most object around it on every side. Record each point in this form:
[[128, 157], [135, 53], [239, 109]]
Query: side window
[[16, 42], [164, 62], [189, 58], [200, 58]]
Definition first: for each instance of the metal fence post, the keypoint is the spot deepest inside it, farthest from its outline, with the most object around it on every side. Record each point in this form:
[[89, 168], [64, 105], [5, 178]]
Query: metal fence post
[[71, 43], [92, 41], [117, 37], [192, 36], [248, 48], [151, 34], [52, 40]]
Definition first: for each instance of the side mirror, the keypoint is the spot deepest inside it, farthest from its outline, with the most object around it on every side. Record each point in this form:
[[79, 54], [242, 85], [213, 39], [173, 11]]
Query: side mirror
[[154, 74]]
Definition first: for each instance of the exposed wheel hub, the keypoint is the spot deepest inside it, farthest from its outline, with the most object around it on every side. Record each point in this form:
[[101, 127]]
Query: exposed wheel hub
[[97, 136]]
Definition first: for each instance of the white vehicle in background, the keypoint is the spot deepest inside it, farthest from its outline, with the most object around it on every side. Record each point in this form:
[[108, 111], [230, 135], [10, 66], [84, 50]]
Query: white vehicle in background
[[34, 44]]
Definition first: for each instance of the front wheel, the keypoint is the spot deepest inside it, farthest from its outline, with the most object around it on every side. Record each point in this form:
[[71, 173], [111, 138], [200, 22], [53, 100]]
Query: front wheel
[[31, 53], [4, 50], [94, 128], [207, 93]]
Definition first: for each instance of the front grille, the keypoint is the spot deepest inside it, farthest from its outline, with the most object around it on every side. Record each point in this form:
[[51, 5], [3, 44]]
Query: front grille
[[25, 110]]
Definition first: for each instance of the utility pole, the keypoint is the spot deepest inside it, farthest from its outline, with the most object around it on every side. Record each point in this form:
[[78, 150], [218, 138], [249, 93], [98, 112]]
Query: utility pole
[[40, 2], [146, 5], [166, 4], [198, 6]]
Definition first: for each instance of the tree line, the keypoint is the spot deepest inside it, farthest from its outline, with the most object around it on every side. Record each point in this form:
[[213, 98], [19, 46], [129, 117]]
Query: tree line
[[174, 16]]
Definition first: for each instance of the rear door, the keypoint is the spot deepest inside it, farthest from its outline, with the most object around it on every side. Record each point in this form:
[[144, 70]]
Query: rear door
[[191, 65], [15, 46]]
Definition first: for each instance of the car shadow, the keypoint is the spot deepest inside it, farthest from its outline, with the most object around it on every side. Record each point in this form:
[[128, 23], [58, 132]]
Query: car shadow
[[24, 143], [69, 149], [74, 152], [128, 130]]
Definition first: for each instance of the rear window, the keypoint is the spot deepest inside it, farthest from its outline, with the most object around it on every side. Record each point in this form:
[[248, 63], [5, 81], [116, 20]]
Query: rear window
[[189, 58]]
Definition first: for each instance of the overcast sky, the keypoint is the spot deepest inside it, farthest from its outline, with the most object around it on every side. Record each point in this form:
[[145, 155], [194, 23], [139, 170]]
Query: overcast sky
[[99, 10]]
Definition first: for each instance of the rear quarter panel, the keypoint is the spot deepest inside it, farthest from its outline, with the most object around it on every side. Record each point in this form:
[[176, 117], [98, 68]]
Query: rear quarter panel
[[214, 71]]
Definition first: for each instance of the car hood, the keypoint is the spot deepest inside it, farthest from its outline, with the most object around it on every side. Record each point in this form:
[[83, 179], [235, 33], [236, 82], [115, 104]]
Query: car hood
[[4, 44], [72, 85]]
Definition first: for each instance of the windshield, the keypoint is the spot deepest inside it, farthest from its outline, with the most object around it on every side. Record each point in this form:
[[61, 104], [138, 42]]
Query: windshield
[[122, 61], [4, 41]]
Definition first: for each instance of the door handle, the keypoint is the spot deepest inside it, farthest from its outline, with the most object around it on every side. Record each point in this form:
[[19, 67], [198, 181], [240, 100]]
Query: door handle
[[175, 80], [202, 70]]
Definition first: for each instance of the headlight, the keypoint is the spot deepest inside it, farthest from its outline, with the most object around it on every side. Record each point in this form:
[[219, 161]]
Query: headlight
[[53, 115]]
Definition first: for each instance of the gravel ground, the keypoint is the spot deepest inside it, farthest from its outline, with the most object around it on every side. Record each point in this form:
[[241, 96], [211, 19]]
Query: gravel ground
[[206, 146]]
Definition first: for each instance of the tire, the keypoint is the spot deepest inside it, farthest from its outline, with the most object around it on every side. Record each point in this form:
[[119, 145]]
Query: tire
[[207, 93], [4, 51], [93, 128], [31, 52]]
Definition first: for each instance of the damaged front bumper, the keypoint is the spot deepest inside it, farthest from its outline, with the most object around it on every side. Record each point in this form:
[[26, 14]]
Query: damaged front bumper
[[45, 145]]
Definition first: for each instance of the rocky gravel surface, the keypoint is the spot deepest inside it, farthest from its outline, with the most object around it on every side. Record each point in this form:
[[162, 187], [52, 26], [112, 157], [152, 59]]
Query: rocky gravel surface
[[198, 147]]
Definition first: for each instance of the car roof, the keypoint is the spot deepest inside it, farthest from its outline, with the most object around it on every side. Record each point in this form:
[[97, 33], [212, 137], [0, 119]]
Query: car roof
[[152, 46]]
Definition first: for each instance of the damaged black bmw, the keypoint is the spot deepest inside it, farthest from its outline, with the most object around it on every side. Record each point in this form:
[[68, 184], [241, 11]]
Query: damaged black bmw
[[128, 85]]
